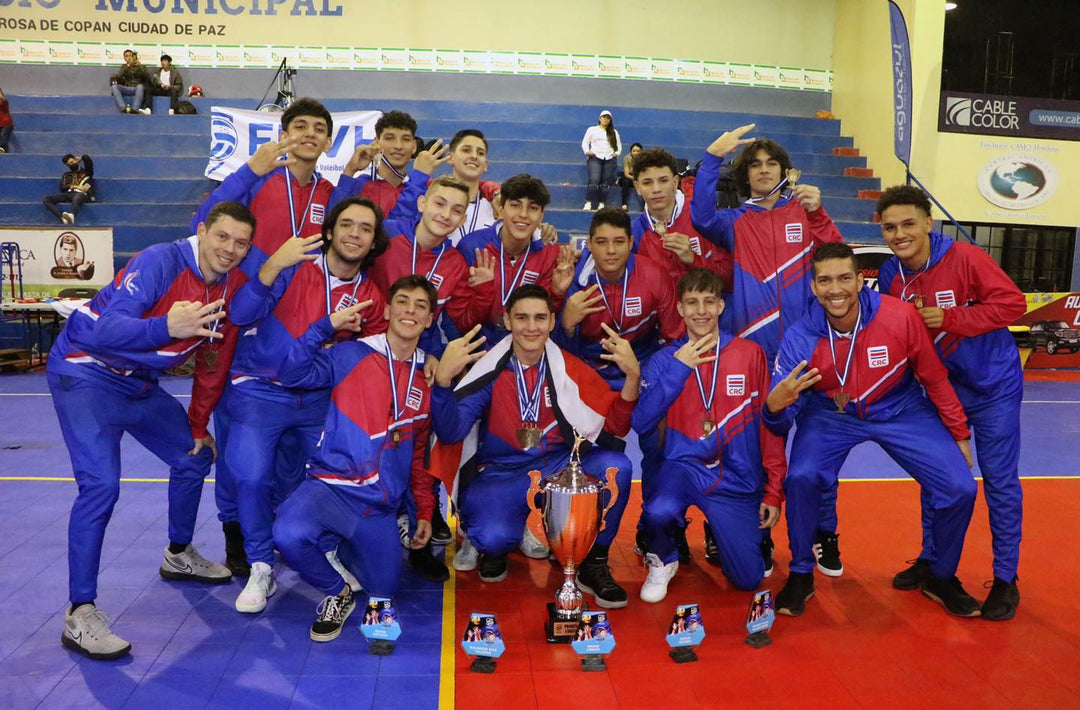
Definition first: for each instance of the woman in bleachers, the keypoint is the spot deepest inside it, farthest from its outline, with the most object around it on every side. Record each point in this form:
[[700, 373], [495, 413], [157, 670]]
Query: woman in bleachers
[[602, 147], [626, 180]]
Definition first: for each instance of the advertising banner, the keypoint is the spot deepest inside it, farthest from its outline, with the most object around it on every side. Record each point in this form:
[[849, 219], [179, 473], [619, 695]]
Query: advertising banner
[[55, 259], [1016, 116]]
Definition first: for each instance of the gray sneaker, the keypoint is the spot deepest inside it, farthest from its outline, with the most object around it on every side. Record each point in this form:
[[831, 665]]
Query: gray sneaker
[[190, 565], [467, 556], [87, 632]]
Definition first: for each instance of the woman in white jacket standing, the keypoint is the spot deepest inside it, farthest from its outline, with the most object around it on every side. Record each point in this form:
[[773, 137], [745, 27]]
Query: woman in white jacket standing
[[602, 146]]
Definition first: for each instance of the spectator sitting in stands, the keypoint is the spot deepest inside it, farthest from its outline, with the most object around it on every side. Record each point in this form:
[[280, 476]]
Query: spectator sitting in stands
[[76, 187], [7, 125], [131, 81], [626, 180], [166, 81]]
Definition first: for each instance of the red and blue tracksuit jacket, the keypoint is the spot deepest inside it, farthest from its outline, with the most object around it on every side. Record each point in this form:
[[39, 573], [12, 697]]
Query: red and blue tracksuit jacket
[[645, 314], [121, 336], [357, 452], [746, 458], [266, 198], [707, 255], [772, 249], [892, 347], [535, 267], [272, 317], [447, 271], [395, 201], [980, 303]]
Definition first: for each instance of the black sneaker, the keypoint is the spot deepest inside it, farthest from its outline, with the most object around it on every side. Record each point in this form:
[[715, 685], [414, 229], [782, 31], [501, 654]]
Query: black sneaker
[[641, 543], [235, 557], [914, 577], [827, 551], [767, 546], [798, 589], [680, 542], [950, 594], [493, 569], [712, 552], [594, 577], [332, 613], [1001, 603], [428, 565], [440, 531]]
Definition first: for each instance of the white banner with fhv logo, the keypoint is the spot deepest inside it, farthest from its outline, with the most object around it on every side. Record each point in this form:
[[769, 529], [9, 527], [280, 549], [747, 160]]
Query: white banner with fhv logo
[[235, 135]]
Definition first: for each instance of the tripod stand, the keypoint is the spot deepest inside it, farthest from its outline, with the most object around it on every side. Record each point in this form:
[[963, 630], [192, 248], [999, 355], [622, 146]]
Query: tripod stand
[[283, 76]]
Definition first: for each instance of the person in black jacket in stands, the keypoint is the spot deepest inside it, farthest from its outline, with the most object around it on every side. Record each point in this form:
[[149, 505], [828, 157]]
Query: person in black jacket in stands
[[76, 187]]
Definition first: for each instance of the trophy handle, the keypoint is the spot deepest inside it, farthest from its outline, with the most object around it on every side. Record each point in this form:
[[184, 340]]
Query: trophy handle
[[535, 521], [612, 487]]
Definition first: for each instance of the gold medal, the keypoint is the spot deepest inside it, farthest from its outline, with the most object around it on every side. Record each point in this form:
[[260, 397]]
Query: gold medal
[[708, 425], [210, 357], [395, 436], [920, 301], [528, 436], [660, 228], [840, 399], [793, 175]]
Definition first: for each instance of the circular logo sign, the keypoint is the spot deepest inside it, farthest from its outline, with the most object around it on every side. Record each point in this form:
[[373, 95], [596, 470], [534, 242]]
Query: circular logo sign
[[222, 136], [1018, 181]]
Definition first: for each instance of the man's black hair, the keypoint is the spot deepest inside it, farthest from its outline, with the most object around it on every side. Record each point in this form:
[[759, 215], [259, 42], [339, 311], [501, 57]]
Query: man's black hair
[[904, 195], [741, 166], [612, 216], [395, 119], [465, 133], [307, 107], [529, 291], [525, 186], [378, 245]]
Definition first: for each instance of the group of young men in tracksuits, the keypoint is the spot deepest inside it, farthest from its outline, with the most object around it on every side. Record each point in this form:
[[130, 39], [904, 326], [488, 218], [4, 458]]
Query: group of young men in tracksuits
[[356, 345]]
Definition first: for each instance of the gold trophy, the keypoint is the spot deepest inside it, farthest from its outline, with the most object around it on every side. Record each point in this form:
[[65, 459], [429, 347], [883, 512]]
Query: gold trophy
[[573, 513]]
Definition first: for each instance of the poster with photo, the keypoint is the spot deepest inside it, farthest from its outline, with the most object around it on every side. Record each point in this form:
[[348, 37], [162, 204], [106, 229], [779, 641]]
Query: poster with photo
[[483, 636], [687, 628], [594, 635], [380, 620]]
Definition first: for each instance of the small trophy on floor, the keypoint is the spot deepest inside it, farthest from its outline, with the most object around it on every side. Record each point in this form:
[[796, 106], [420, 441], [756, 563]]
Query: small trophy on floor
[[760, 619], [593, 640], [687, 631], [483, 641], [380, 626]]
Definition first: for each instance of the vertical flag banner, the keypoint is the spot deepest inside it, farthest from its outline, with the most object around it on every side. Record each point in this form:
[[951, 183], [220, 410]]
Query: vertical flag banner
[[901, 64]]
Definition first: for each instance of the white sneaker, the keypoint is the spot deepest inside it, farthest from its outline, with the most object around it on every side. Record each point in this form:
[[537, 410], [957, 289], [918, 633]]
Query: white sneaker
[[87, 632], [67, 218], [587, 207], [190, 565], [144, 111], [532, 548], [352, 581], [403, 531], [172, 111], [600, 206], [655, 587], [467, 556], [260, 585]]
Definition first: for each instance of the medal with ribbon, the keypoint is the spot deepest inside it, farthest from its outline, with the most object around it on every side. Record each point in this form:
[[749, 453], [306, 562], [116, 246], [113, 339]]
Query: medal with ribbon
[[708, 424], [209, 351], [346, 301], [504, 289], [618, 319], [529, 433], [434, 266], [395, 411], [917, 298], [297, 228], [841, 398]]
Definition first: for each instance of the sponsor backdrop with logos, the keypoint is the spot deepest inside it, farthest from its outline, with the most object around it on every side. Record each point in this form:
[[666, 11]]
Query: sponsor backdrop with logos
[[56, 259], [435, 35], [1015, 116], [1049, 333]]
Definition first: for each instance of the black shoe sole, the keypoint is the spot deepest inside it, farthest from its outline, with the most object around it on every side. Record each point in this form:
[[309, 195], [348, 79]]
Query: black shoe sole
[[494, 580], [600, 601], [939, 600], [71, 644], [181, 577], [906, 587], [1005, 617], [796, 612]]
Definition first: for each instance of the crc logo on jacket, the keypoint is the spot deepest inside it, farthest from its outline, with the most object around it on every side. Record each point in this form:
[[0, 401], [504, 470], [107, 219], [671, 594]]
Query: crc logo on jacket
[[736, 385], [416, 396], [945, 299], [633, 306], [878, 356], [318, 213], [793, 233]]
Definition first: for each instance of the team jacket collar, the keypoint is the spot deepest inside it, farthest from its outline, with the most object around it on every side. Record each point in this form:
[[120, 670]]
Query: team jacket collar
[[680, 202], [784, 199], [819, 324], [587, 267]]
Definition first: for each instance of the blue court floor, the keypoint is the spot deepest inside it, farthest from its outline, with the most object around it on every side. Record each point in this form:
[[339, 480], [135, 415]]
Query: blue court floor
[[191, 648]]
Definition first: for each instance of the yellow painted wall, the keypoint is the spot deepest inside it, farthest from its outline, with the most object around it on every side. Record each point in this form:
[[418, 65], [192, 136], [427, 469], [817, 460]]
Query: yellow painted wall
[[796, 33], [947, 163]]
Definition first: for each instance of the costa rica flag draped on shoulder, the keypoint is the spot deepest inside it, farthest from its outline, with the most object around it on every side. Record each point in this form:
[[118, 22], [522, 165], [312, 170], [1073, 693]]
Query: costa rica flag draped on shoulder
[[581, 400]]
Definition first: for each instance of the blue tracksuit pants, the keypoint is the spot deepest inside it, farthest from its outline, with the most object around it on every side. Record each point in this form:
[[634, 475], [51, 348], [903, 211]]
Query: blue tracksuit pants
[[366, 538], [995, 427], [734, 520], [916, 439], [260, 414], [93, 417], [494, 506]]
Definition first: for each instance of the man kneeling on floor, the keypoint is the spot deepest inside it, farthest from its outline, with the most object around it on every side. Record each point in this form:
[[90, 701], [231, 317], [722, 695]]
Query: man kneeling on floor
[[370, 456], [707, 389], [552, 392]]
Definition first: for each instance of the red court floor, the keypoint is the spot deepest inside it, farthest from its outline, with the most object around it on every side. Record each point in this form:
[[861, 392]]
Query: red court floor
[[860, 644]]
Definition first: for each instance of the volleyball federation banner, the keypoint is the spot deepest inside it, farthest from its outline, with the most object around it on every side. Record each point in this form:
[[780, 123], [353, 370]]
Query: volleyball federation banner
[[235, 135], [901, 64]]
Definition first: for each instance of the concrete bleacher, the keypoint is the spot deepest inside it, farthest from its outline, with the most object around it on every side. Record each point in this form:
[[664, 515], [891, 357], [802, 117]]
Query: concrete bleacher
[[149, 168]]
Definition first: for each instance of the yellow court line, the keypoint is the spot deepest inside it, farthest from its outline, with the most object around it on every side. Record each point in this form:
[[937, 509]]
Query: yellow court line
[[447, 678]]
